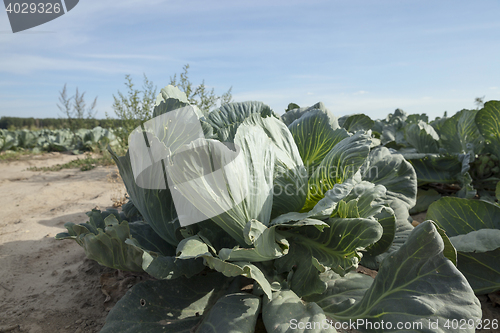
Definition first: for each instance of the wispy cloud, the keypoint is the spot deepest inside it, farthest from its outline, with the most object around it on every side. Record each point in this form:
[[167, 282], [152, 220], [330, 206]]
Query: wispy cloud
[[27, 64], [123, 56]]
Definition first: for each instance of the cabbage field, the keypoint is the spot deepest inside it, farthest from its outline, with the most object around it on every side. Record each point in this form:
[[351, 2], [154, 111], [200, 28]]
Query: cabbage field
[[321, 196], [56, 140]]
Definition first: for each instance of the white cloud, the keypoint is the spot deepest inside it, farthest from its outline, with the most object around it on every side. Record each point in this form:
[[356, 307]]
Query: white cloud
[[124, 56], [27, 64], [361, 92]]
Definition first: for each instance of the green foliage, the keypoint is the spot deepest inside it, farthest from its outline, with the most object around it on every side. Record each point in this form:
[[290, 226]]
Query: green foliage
[[75, 108], [137, 106], [299, 247], [15, 123], [199, 95], [57, 140], [133, 108], [455, 155], [474, 230]]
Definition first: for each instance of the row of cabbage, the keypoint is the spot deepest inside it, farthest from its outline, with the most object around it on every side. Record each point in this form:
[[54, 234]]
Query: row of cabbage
[[350, 184], [56, 140], [456, 155], [456, 160]]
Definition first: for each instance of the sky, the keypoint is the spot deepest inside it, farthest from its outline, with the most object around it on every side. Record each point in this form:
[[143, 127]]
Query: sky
[[363, 56]]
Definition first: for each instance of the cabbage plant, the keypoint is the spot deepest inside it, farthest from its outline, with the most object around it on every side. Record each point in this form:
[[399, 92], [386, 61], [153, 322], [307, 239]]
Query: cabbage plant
[[474, 230], [318, 200]]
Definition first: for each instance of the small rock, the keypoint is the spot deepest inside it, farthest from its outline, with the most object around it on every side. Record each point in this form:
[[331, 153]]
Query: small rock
[[78, 321], [78, 330]]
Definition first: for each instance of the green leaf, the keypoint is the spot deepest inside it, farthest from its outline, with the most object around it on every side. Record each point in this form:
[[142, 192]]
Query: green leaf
[[342, 292], [294, 114], [226, 119], [305, 278], [324, 208], [356, 122], [231, 269], [497, 192], [415, 118], [292, 106], [393, 172], [488, 123], [450, 252], [459, 134], [424, 199], [286, 313], [155, 205], [337, 247], [268, 245], [315, 133], [400, 180], [416, 284], [479, 259], [423, 137], [387, 220], [165, 306], [249, 178], [232, 313], [474, 227], [290, 176], [479, 241], [166, 267], [435, 168], [170, 98], [194, 248], [366, 201], [105, 240], [339, 164], [461, 216]]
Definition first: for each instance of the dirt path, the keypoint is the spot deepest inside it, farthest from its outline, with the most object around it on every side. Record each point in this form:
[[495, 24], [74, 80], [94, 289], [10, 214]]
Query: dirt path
[[47, 285]]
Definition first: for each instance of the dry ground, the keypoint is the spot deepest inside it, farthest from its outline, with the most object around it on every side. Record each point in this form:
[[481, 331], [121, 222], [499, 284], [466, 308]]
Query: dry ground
[[48, 285]]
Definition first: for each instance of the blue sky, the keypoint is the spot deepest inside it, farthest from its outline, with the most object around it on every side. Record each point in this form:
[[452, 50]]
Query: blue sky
[[355, 56]]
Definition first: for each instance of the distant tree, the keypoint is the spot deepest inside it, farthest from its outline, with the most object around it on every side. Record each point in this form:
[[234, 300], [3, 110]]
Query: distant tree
[[75, 109], [134, 108], [200, 96], [479, 101]]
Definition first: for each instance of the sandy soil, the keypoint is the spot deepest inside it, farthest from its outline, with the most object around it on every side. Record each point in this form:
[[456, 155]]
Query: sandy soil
[[48, 285]]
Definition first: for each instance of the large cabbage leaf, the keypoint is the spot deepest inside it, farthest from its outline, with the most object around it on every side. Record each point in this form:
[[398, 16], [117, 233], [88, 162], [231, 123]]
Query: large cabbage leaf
[[173, 306], [342, 162], [416, 285], [474, 230], [286, 313], [488, 123], [104, 240], [155, 205]]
